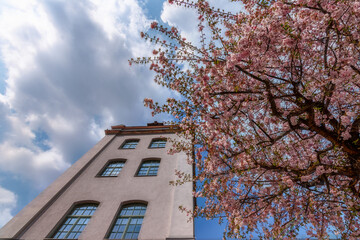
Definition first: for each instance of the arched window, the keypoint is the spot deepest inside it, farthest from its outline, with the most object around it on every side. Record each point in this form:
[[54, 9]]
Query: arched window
[[149, 168], [112, 169], [75, 222], [128, 222]]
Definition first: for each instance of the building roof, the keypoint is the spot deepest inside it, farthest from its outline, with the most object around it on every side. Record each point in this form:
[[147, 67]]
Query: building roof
[[151, 128]]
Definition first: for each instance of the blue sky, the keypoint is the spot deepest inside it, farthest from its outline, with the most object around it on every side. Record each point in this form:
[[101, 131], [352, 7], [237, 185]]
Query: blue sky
[[64, 78]]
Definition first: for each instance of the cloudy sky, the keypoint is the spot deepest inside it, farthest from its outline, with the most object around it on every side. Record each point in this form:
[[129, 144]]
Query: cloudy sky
[[65, 77]]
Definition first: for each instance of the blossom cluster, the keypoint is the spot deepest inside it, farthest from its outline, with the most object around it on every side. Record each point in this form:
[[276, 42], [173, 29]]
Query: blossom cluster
[[271, 102]]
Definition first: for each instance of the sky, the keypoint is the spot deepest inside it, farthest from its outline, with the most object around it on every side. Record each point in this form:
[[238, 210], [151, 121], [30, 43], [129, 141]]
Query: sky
[[65, 78]]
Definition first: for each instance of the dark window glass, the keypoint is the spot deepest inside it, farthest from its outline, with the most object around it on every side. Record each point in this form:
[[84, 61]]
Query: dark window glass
[[158, 143], [128, 222], [149, 168], [75, 222], [113, 169]]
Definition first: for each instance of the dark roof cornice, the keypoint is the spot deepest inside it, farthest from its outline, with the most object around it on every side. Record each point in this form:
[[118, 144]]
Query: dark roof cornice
[[151, 128]]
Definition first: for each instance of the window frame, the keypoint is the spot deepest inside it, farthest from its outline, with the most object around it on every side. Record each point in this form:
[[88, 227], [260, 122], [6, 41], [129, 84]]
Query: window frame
[[148, 160], [102, 170], [157, 139], [64, 218], [128, 141], [117, 216]]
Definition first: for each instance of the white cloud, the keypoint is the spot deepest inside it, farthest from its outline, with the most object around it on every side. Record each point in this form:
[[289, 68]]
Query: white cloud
[[228, 6], [68, 80], [186, 19], [7, 203], [37, 166]]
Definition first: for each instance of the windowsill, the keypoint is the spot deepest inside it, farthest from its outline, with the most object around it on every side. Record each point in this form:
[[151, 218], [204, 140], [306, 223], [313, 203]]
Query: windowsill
[[105, 176], [60, 239], [146, 176]]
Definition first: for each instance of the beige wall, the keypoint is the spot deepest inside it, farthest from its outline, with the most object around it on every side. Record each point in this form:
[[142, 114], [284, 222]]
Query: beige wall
[[162, 218]]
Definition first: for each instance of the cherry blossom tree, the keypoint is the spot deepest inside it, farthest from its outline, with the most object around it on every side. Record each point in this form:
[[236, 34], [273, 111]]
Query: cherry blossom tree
[[270, 98]]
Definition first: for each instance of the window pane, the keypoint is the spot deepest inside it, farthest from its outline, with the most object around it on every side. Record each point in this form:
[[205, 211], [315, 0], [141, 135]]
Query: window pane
[[75, 222], [131, 228], [130, 220], [122, 228], [135, 235], [71, 236], [127, 236]]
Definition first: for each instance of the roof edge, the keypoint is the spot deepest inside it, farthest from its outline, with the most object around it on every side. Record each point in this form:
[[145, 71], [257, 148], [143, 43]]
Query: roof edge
[[134, 130]]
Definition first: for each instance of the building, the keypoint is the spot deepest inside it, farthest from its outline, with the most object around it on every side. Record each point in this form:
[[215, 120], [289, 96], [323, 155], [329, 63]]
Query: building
[[118, 190]]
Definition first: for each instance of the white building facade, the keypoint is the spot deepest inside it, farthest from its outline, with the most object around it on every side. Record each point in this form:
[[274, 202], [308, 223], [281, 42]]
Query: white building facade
[[118, 190]]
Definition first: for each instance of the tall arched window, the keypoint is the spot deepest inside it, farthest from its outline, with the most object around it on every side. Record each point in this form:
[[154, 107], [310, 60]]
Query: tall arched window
[[75, 222], [128, 222]]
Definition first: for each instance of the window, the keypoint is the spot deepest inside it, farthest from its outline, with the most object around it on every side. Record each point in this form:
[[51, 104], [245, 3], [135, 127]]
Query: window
[[130, 144], [149, 168], [112, 169], [128, 222], [158, 143], [75, 222]]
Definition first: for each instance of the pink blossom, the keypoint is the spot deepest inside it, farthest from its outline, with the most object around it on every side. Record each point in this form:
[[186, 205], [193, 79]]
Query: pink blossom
[[153, 24], [271, 97]]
